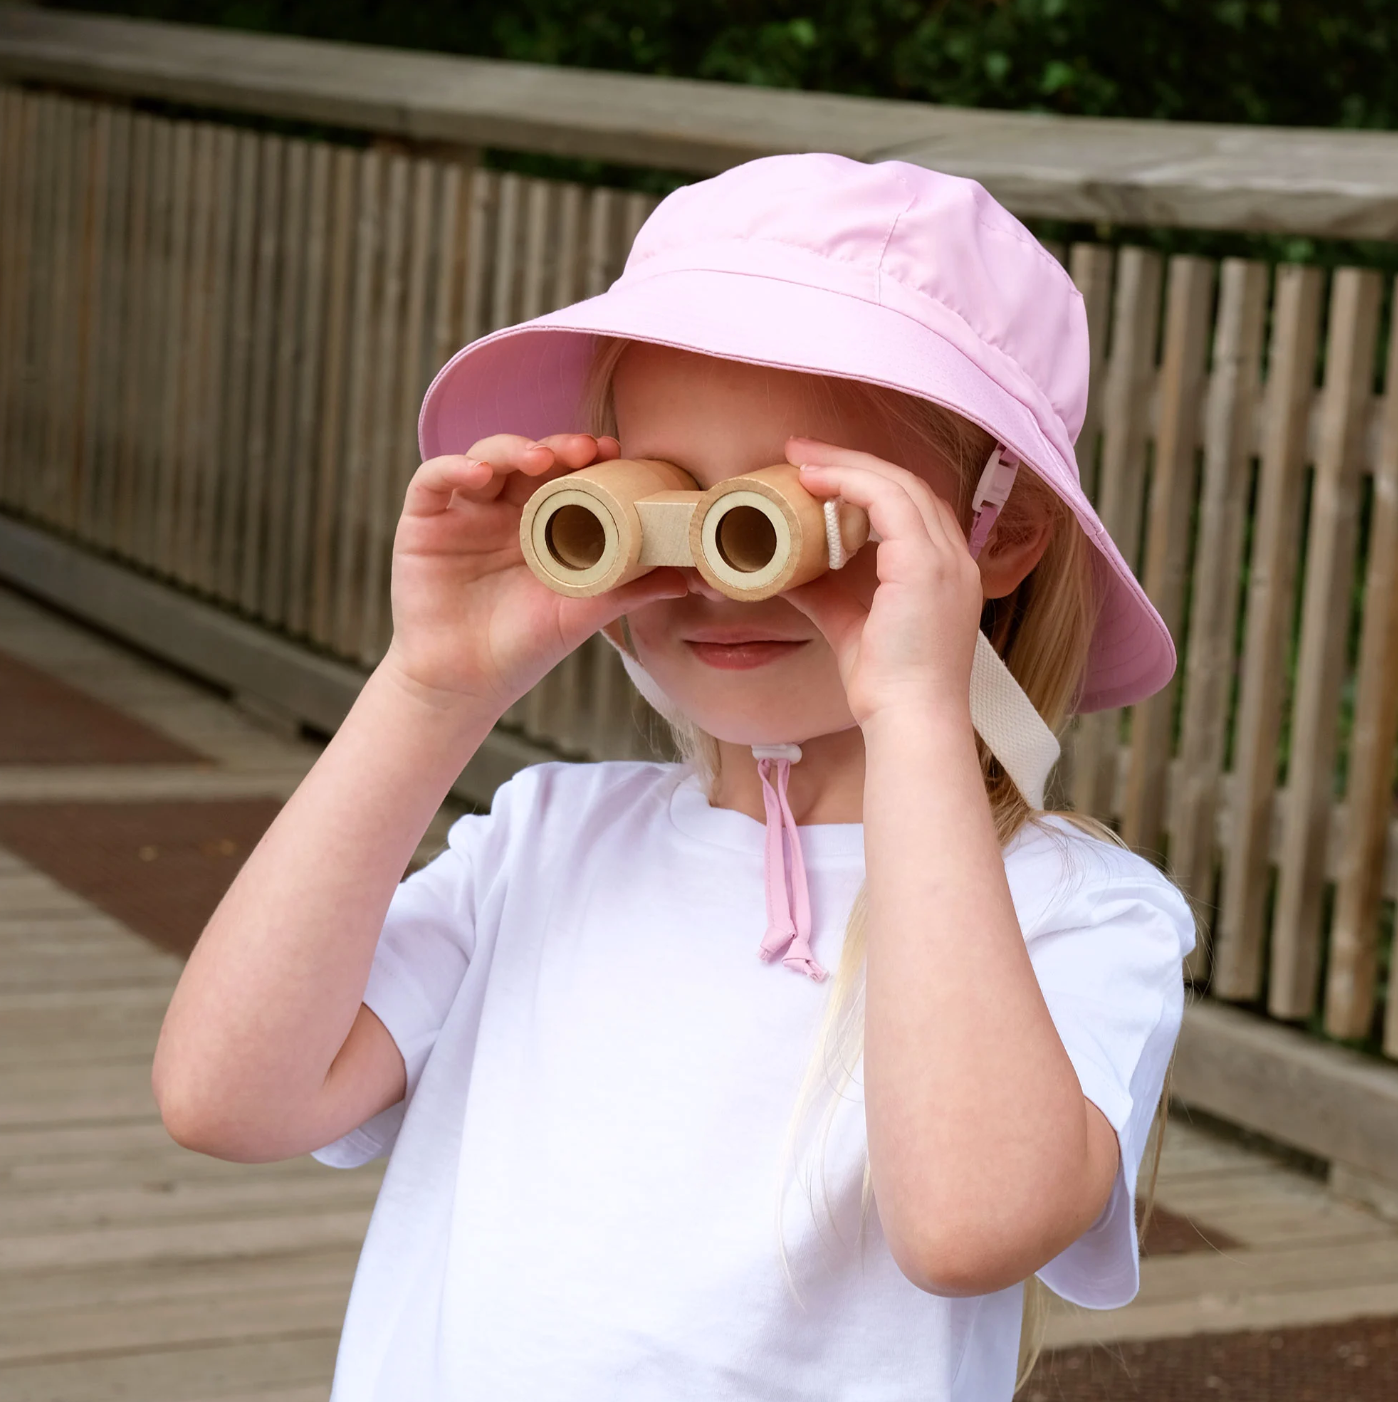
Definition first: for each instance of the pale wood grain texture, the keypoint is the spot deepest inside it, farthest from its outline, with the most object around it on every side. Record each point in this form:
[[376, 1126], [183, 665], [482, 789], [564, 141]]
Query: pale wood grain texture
[[1237, 969], [1188, 307], [1369, 792], [1223, 499], [1321, 664], [1196, 174], [1129, 380]]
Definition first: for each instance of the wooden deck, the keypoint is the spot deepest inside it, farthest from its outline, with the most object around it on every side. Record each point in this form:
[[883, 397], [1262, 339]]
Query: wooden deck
[[130, 1268]]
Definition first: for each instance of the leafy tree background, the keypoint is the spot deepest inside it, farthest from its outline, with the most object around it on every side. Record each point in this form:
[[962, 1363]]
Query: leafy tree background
[[1287, 62]]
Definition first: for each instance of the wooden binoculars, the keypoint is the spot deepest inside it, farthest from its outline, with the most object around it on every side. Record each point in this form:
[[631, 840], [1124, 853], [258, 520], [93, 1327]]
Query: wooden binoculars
[[750, 537]]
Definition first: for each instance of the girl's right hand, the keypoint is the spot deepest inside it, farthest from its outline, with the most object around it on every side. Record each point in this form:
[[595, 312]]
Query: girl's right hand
[[471, 623]]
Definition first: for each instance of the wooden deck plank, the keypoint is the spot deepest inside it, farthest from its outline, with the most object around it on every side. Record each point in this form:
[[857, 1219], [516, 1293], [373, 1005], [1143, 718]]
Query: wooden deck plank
[[218, 1371], [145, 1282], [116, 1329], [36, 1209], [185, 1241]]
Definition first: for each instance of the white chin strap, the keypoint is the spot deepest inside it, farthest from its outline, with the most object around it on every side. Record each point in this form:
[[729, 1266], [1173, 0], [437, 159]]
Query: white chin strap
[[1004, 717]]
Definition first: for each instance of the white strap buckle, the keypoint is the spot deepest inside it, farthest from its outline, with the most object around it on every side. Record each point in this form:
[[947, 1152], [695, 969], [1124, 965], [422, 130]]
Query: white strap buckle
[[992, 491]]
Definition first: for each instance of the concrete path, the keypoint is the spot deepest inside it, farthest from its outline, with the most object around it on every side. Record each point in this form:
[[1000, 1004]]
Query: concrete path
[[130, 1268]]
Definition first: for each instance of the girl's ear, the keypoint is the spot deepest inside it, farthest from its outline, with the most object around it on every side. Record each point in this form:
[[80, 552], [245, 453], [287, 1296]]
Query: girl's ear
[[1009, 556]]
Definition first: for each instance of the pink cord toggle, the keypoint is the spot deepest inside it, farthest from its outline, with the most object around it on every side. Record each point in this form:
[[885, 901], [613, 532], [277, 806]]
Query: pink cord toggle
[[788, 934]]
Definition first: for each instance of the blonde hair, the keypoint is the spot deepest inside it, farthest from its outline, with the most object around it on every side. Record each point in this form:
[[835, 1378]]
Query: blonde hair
[[1043, 630]]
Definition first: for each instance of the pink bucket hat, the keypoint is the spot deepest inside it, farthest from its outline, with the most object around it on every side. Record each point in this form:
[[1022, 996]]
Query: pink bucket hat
[[886, 273]]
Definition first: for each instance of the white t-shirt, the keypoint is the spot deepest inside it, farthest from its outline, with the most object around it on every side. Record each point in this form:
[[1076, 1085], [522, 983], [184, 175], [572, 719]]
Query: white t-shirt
[[581, 1196]]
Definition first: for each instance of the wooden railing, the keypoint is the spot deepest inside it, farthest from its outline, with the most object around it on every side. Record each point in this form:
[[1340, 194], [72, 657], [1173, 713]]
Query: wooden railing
[[214, 340]]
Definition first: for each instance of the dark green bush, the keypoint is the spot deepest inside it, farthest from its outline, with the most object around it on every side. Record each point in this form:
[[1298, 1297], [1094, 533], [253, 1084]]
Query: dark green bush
[[1287, 62]]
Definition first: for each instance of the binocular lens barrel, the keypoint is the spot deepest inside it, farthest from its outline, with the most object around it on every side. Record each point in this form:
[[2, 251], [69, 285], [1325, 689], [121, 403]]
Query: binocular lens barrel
[[746, 539], [576, 537], [750, 536]]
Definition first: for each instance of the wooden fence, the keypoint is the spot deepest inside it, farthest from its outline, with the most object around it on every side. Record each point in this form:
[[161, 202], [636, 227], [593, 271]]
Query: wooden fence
[[213, 344]]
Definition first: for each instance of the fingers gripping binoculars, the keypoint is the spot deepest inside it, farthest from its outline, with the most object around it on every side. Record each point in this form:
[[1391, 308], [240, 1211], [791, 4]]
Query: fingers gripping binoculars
[[750, 537]]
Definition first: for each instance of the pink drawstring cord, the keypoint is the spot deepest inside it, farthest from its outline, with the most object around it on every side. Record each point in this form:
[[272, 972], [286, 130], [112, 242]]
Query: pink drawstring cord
[[788, 895]]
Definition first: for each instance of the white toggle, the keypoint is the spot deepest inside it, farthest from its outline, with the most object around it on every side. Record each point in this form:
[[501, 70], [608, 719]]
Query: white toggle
[[791, 752], [992, 491], [834, 541]]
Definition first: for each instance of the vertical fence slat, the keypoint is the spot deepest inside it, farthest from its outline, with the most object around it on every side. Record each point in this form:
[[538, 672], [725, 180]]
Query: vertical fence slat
[[93, 309], [174, 340], [597, 260], [91, 196], [333, 411], [234, 455], [1354, 936], [1223, 497], [11, 267], [51, 465], [483, 190], [191, 424], [29, 299], [539, 251], [126, 450], [290, 330], [208, 446], [1091, 266], [1129, 374], [1320, 668], [567, 286], [113, 352], [388, 371], [1237, 958], [271, 194], [508, 240], [308, 373], [1172, 494], [353, 494], [153, 386], [447, 270], [34, 380]]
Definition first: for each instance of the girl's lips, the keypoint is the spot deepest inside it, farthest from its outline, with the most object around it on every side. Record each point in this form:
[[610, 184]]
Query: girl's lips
[[756, 652]]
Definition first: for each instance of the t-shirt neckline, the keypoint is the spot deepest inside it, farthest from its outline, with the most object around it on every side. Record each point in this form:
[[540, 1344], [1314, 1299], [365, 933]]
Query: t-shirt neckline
[[835, 844]]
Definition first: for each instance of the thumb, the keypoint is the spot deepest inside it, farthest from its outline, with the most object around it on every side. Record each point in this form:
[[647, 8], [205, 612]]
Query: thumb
[[835, 610]]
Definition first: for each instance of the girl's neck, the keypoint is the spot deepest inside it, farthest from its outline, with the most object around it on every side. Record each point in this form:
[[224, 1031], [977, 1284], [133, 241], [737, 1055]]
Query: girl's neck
[[827, 786]]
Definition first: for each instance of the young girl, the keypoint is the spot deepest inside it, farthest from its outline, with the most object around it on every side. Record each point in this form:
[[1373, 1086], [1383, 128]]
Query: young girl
[[640, 1147]]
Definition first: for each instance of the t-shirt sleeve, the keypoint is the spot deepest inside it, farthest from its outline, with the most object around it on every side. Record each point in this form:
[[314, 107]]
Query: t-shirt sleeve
[[1108, 950], [421, 959]]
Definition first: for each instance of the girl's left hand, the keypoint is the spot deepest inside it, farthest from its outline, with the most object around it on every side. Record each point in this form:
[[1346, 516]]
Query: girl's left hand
[[913, 644]]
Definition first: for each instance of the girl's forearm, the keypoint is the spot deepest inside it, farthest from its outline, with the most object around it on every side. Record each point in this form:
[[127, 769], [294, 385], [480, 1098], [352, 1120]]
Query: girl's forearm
[[274, 985], [979, 1141]]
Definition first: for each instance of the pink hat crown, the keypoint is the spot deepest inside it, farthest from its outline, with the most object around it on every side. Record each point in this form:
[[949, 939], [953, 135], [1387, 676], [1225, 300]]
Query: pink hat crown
[[934, 246]]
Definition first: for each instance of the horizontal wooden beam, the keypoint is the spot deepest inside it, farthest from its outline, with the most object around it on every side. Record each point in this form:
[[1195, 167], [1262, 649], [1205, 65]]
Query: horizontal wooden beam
[[1291, 1087], [217, 646], [1325, 183]]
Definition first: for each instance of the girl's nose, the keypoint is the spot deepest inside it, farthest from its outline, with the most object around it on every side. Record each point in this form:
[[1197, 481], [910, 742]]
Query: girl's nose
[[697, 584]]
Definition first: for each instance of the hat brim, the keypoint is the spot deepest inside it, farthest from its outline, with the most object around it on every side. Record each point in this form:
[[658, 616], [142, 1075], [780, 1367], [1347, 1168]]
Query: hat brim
[[529, 379]]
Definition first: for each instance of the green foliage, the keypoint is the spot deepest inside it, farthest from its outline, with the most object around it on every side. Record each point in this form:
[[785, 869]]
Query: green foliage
[[1285, 62]]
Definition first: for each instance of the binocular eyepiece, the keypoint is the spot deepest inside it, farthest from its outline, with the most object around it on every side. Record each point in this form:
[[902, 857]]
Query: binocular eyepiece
[[750, 537]]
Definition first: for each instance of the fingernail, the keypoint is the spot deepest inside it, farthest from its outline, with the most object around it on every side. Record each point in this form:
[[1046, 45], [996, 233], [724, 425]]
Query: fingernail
[[810, 467]]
